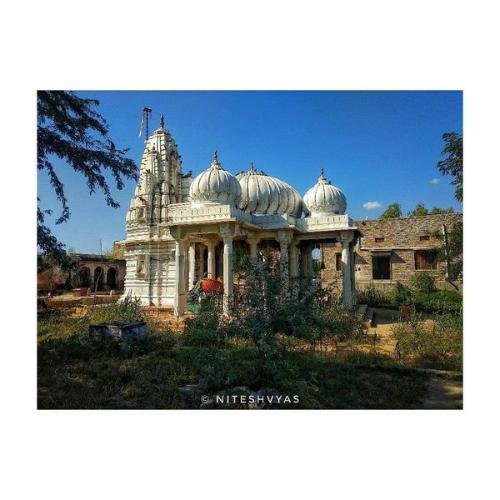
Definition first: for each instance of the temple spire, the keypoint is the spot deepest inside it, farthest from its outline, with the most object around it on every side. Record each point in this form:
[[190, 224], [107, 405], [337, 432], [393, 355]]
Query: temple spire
[[162, 121]]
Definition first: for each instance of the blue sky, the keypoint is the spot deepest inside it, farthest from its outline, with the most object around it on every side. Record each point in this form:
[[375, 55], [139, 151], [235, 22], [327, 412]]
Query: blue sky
[[378, 147]]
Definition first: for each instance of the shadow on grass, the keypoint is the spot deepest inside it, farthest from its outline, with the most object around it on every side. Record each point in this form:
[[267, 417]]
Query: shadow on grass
[[75, 372]]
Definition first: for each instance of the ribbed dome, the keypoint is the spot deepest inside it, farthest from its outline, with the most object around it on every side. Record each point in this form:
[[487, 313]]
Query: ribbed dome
[[263, 194], [215, 185], [324, 199]]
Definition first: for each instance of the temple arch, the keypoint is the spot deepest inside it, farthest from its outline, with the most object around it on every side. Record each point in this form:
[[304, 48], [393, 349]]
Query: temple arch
[[98, 278], [111, 278]]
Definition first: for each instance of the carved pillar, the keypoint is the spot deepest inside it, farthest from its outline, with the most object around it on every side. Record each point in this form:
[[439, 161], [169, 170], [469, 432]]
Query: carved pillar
[[200, 260], [192, 262], [253, 243], [294, 268], [211, 259], [227, 265], [347, 290], [294, 261], [284, 239], [180, 286]]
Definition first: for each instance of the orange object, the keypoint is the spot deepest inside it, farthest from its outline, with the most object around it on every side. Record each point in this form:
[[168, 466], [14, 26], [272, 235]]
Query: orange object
[[209, 285]]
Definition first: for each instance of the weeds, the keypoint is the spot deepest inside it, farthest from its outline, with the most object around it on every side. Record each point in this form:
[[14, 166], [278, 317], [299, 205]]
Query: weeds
[[437, 344]]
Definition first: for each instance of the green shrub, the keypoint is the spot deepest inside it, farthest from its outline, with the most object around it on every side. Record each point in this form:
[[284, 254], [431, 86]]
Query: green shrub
[[372, 296], [205, 329], [438, 345], [401, 295], [440, 301], [423, 283], [129, 309]]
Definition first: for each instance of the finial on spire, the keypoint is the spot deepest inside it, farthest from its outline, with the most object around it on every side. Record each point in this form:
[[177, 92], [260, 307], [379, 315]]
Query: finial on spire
[[322, 175], [215, 160], [162, 121], [252, 167]]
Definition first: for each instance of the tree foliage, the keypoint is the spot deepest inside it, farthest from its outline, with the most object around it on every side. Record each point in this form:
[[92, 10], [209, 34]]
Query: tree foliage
[[439, 210], [419, 211], [452, 164], [392, 211], [71, 129]]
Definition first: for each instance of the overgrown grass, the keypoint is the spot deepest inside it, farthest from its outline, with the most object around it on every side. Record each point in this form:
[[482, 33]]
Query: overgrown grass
[[436, 345], [75, 372], [436, 301]]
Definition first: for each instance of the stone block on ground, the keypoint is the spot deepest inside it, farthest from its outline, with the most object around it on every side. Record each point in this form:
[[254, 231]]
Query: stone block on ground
[[119, 330]]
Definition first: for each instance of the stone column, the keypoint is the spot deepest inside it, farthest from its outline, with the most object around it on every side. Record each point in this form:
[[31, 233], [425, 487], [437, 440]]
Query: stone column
[[211, 259], [347, 289], [294, 261], [294, 268], [306, 259], [227, 232], [201, 261], [284, 240], [227, 265], [180, 286], [253, 243], [192, 262]]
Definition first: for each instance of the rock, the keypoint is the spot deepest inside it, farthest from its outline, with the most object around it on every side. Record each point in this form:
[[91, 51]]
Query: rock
[[189, 389], [119, 330]]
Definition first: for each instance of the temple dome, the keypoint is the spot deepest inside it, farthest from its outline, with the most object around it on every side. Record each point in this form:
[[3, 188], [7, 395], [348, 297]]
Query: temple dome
[[324, 199], [215, 185], [263, 194]]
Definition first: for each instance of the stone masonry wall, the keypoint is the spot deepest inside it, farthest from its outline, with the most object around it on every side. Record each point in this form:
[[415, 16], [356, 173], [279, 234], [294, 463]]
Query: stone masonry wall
[[399, 238]]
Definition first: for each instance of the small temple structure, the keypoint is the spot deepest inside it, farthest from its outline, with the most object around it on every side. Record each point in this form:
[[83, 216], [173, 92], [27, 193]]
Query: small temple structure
[[180, 229]]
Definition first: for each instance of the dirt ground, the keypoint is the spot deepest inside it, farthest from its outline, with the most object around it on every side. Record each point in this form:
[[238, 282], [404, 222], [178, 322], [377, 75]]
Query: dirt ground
[[445, 389]]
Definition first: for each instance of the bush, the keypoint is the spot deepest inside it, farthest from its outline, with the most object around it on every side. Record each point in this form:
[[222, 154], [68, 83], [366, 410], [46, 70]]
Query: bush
[[423, 283], [440, 301], [372, 296], [205, 329], [401, 295], [438, 345], [129, 309]]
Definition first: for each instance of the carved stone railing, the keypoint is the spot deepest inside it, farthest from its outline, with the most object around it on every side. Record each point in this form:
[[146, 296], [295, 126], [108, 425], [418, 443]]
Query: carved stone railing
[[187, 213], [326, 223]]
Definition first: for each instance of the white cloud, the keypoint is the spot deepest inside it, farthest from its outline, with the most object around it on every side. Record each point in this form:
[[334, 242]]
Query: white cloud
[[371, 205], [435, 181]]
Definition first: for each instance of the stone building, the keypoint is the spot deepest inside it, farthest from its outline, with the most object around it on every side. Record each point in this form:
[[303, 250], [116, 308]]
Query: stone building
[[392, 250], [92, 271], [100, 273], [181, 229]]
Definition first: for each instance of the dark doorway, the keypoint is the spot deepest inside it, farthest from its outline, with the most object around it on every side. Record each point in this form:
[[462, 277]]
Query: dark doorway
[[83, 277], [381, 265], [111, 278], [219, 256], [98, 278]]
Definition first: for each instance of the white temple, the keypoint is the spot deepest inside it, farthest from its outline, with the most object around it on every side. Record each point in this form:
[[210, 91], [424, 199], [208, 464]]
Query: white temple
[[181, 229]]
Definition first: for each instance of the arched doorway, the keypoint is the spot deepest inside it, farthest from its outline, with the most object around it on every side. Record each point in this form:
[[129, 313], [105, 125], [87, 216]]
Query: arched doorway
[[111, 278], [98, 278], [84, 277]]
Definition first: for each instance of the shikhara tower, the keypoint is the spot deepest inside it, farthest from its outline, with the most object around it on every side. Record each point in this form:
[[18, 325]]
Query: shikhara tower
[[150, 266], [181, 229]]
